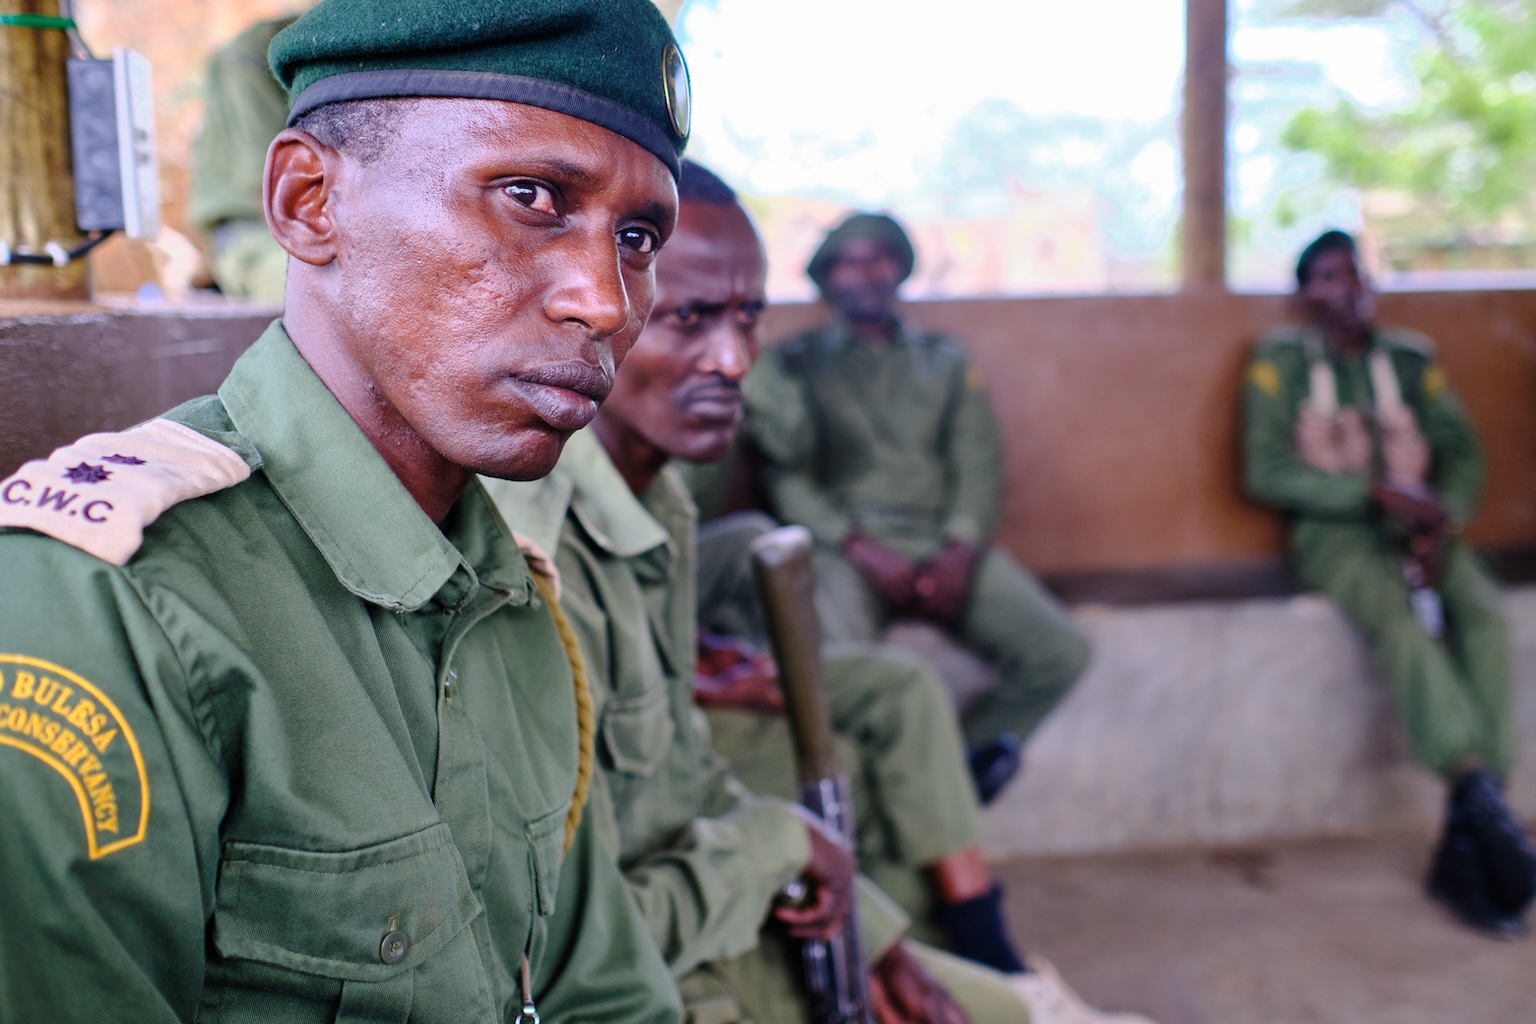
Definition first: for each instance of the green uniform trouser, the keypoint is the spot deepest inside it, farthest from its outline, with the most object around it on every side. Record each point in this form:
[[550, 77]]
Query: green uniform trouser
[[763, 987], [896, 739], [896, 735], [1453, 696], [1009, 620]]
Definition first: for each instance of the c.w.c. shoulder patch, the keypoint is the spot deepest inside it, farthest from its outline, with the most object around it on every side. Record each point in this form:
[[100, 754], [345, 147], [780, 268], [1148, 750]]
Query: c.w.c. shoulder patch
[[65, 722], [99, 493]]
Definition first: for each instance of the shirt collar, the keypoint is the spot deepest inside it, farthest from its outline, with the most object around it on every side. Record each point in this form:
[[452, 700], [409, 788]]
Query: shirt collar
[[840, 334], [342, 493], [616, 520]]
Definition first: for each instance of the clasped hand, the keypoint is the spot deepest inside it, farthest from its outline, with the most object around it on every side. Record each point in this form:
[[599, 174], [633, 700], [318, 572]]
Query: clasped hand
[[934, 590]]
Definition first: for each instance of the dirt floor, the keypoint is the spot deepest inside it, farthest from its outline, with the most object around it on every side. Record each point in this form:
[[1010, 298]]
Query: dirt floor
[[1324, 931]]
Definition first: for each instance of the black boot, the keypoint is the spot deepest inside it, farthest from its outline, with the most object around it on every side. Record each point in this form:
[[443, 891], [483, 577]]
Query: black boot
[[1504, 851], [1456, 879], [977, 931], [993, 765]]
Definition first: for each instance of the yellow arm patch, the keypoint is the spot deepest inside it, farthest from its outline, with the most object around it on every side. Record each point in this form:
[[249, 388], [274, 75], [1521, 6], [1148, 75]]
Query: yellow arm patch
[[67, 723], [1265, 376], [973, 381], [1434, 381]]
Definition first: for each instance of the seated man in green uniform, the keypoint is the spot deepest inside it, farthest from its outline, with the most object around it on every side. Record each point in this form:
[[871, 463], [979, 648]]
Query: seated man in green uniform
[[881, 440], [705, 856], [287, 730], [1354, 432], [243, 110]]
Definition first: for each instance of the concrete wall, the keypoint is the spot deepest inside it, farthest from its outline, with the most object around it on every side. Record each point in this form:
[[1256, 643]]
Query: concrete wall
[[1232, 722]]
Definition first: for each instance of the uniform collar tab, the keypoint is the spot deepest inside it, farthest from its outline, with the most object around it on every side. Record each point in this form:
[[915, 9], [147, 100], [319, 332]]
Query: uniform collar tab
[[607, 509], [377, 540]]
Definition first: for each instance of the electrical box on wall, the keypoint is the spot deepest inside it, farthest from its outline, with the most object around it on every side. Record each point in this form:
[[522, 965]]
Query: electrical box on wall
[[112, 131]]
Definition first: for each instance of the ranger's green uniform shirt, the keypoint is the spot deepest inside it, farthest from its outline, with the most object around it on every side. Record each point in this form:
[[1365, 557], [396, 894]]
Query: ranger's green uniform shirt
[[897, 441], [1277, 385], [704, 856], [345, 749]]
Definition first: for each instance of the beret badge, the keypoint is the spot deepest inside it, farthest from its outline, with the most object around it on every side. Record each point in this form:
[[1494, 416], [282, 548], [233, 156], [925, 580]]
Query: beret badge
[[674, 84]]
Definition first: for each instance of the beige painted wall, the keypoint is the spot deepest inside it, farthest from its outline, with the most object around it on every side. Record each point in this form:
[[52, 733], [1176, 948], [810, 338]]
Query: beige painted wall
[[1120, 412], [1121, 417]]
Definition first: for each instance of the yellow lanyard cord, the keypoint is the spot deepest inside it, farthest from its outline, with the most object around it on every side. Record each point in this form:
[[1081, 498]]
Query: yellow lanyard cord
[[585, 718]]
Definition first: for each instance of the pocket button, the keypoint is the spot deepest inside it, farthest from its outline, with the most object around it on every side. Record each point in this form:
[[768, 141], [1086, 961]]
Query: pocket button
[[394, 947]]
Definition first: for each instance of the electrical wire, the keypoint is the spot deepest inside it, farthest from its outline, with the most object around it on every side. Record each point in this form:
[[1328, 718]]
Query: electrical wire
[[54, 254]]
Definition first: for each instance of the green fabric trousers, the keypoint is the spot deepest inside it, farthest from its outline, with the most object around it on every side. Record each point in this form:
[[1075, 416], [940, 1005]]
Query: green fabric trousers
[[763, 987], [896, 738], [896, 735], [1453, 695], [1009, 620]]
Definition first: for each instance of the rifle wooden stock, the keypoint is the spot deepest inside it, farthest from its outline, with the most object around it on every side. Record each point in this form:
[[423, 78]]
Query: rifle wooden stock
[[786, 583], [834, 970]]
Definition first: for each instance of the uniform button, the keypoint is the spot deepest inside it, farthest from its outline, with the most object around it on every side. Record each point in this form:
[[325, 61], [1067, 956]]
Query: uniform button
[[395, 946]]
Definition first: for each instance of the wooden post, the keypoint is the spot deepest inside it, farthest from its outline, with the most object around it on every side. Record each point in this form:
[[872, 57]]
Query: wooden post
[[1205, 145], [37, 187]]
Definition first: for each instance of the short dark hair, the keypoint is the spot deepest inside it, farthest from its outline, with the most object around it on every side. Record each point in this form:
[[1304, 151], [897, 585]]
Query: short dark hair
[[362, 128], [1328, 241], [702, 185]]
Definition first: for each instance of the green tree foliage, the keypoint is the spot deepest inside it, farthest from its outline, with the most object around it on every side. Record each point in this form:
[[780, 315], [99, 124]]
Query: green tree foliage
[[1464, 151]]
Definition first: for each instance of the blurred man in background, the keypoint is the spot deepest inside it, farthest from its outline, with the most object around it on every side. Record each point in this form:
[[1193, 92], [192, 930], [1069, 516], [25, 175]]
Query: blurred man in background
[[244, 109], [1354, 432], [881, 440]]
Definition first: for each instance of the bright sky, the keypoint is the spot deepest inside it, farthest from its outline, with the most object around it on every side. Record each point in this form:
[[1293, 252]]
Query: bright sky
[[855, 100], [889, 77]]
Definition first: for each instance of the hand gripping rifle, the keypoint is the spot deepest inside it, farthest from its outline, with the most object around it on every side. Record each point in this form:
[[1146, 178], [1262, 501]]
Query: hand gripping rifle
[[834, 969]]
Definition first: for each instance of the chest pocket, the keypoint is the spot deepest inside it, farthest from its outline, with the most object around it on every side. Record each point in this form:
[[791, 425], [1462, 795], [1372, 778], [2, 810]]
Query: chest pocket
[[637, 730], [367, 918]]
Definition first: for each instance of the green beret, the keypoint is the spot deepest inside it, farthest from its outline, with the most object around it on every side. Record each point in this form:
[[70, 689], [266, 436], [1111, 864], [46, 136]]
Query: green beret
[[861, 226], [611, 62]]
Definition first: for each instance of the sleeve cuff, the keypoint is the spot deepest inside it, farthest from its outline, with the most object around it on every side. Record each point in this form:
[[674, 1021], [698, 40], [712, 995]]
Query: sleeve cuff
[[775, 839], [965, 528], [881, 922]]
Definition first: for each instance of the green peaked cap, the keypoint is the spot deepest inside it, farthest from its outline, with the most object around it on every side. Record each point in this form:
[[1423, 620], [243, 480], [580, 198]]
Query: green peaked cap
[[611, 62]]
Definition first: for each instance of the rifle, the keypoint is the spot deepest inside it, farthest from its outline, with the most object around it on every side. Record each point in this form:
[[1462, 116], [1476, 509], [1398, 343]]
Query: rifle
[[834, 970]]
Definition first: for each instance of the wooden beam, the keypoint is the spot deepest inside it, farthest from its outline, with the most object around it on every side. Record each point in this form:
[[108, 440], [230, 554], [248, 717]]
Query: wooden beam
[[37, 190], [1205, 145]]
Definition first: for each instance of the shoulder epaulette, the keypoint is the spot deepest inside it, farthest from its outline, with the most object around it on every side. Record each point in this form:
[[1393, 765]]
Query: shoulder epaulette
[[99, 493]]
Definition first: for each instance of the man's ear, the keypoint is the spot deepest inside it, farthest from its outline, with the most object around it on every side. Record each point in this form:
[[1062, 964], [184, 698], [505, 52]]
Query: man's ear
[[301, 173]]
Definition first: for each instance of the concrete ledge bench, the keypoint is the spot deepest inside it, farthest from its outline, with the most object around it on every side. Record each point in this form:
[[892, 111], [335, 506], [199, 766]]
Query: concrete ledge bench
[[1210, 723]]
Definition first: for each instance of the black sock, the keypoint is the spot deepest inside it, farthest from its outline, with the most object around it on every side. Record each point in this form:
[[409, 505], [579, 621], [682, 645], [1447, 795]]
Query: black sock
[[978, 931]]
